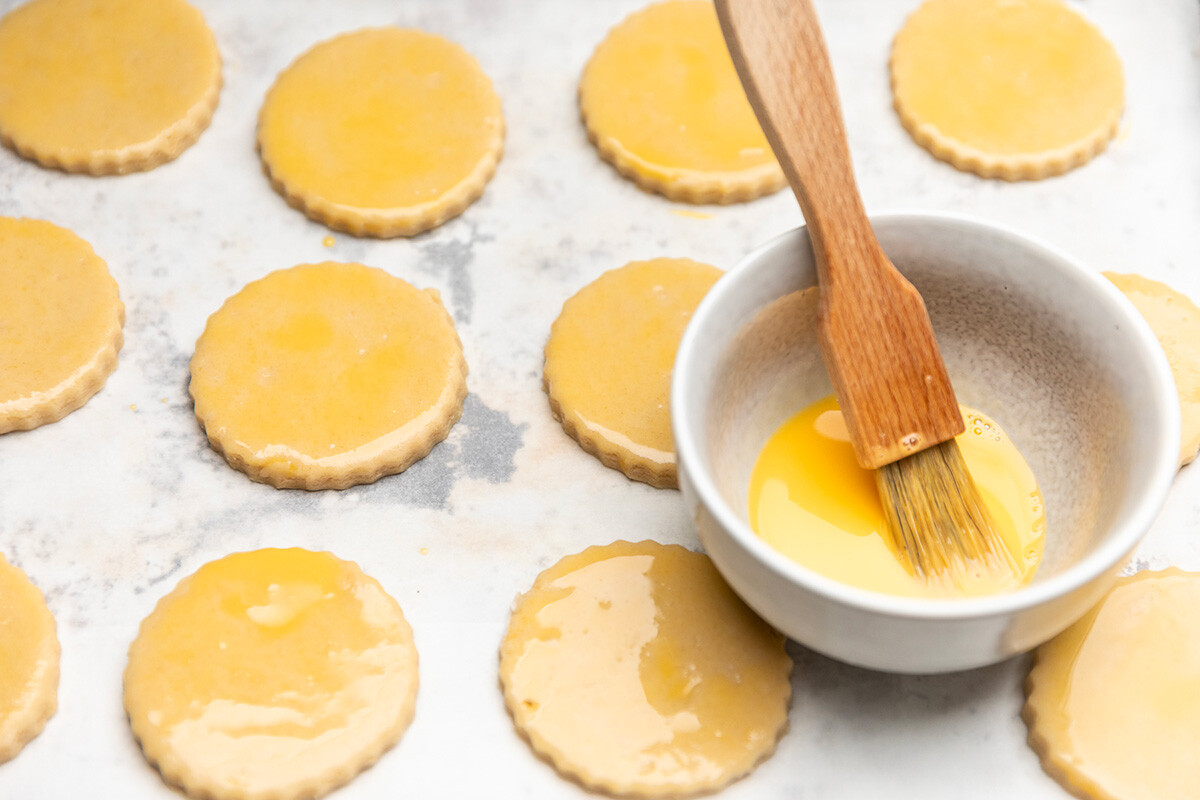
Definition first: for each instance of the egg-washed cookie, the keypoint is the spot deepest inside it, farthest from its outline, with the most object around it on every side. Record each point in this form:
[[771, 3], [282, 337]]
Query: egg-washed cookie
[[1113, 702], [275, 674], [106, 86], [634, 669], [1013, 89], [609, 359], [663, 104], [1175, 320], [60, 323], [29, 654], [382, 132], [324, 376]]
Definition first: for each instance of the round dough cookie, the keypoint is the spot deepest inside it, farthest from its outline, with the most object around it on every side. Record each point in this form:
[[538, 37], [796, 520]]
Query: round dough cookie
[[634, 669], [328, 375], [28, 661], [271, 674], [60, 323], [382, 132], [1013, 89], [1113, 703], [106, 86], [1175, 320], [609, 359], [663, 104]]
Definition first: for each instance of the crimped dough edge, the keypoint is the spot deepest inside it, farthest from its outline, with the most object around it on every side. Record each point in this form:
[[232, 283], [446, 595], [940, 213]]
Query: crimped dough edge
[[177, 773], [556, 759]]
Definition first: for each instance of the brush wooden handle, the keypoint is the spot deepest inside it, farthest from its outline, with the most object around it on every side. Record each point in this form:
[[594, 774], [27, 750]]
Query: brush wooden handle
[[875, 333]]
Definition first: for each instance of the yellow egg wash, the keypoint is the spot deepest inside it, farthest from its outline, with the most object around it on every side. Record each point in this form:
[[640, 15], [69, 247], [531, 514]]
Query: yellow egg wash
[[635, 668], [1008, 77], [29, 654], [1123, 727], [379, 119], [106, 85], [272, 673], [326, 366], [663, 86], [811, 500]]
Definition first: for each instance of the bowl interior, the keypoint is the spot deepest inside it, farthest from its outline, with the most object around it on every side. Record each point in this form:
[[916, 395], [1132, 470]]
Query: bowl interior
[[1047, 349]]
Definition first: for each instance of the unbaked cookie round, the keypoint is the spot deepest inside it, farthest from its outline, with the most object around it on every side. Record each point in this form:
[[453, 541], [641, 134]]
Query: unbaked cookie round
[[609, 359], [324, 376], [1013, 89], [634, 669], [60, 323], [663, 104], [382, 132], [275, 674], [29, 655], [1175, 320], [106, 86], [1113, 704]]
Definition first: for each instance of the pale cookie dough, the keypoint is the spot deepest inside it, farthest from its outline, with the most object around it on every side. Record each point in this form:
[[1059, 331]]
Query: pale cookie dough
[[275, 674], [28, 661], [106, 86], [381, 132], [609, 359], [1013, 89], [662, 103], [60, 323], [1113, 704], [328, 375], [634, 669], [1175, 320]]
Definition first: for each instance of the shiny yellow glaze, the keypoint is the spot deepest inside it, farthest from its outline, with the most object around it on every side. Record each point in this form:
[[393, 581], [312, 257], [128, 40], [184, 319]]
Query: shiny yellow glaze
[[28, 661], [60, 316], [1114, 701], [1007, 76], [1175, 320], [811, 500], [609, 359], [276, 673], [379, 119], [88, 76], [662, 87], [326, 364], [635, 669]]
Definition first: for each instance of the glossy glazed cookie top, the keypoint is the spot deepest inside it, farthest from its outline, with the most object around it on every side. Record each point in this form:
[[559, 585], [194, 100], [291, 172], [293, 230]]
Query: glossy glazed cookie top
[[1175, 320], [106, 86], [636, 670], [1013, 89], [60, 323], [609, 360], [662, 102], [382, 132], [326, 375], [272, 673], [1113, 702], [29, 654]]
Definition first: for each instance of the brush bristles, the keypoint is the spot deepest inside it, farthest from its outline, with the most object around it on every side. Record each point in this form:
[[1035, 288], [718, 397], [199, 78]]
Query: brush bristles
[[938, 519]]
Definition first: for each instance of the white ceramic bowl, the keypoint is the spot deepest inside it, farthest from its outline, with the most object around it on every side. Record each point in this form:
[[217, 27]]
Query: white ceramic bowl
[[1048, 348]]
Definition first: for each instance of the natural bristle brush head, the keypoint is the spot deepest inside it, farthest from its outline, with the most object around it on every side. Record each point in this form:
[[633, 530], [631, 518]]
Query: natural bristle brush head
[[940, 524]]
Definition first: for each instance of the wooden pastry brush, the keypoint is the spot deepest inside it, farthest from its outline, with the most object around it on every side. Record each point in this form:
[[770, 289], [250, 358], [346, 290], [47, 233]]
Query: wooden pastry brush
[[874, 331]]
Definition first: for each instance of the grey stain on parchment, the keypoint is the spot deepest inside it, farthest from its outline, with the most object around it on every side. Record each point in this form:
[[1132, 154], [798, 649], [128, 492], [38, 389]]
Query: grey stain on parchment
[[452, 258], [483, 445], [490, 446]]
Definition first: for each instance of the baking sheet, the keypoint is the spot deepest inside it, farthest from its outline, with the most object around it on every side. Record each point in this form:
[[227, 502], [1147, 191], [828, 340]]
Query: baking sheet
[[109, 508]]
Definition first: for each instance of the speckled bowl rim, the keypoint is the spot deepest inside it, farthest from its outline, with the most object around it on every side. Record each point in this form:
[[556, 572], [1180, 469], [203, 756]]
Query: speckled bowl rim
[[1118, 545]]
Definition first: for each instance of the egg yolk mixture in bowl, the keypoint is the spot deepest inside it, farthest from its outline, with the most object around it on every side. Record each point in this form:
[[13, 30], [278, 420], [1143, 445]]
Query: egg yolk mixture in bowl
[[1077, 445], [811, 501]]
